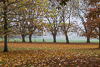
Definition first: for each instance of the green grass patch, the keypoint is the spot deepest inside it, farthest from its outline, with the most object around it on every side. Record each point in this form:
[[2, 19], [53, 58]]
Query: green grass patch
[[50, 40]]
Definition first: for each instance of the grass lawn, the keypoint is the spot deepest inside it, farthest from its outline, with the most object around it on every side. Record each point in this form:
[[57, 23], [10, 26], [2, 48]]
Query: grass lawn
[[50, 55], [49, 40]]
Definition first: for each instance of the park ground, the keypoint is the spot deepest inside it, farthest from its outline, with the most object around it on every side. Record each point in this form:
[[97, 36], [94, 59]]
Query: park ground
[[50, 55]]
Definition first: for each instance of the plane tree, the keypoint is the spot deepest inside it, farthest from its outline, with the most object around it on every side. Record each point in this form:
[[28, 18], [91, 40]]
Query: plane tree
[[26, 19], [34, 17], [93, 21], [59, 18], [78, 12], [66, 13], [52, 18], [8, 14]]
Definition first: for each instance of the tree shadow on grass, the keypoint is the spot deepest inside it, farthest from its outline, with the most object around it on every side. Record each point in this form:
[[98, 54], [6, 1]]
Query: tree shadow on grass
[[93, 48]]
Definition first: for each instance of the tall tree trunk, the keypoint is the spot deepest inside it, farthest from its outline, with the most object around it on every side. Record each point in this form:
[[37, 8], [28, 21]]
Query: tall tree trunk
[[23, 37], [88, 40], [5, 43], [99, 34], [30, 40], [5, 26], [67, 40], [54, 38]]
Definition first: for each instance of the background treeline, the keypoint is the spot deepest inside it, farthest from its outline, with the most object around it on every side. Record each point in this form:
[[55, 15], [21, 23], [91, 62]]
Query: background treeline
[[26, 17]]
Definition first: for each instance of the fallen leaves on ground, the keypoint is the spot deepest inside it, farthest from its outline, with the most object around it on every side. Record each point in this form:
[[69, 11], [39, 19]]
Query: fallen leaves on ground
[[50, 55]]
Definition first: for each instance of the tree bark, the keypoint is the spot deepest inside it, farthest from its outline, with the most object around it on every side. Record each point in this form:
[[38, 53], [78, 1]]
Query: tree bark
[[54, 38], [67, 40], [30, 40], [88, 40], [88, 37], [23, 37], [5, 43], [5, 26], [99, 34]]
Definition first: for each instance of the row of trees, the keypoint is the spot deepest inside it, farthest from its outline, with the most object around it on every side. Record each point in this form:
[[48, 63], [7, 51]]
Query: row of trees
[[27, 16], [93, 20]]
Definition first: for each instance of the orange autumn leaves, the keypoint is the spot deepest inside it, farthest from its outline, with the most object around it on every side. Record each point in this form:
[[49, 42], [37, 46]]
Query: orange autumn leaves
[[18, 46], [92, 23], [49, 55]]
